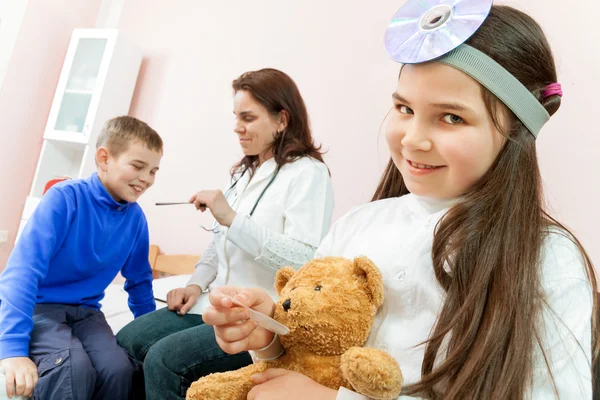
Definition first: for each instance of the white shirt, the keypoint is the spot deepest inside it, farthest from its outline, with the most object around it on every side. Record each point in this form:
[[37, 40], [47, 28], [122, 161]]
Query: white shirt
[[298, 204], [397, 234]]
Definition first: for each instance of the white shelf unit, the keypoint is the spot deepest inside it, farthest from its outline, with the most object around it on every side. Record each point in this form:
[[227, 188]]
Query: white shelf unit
[[96, 83]]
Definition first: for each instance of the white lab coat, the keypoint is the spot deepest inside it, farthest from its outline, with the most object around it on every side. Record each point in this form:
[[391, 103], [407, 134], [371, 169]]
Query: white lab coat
[[299, 204], [397, 234]]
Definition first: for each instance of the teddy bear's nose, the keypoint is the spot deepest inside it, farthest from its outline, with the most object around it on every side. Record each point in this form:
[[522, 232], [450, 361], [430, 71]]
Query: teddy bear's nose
[[287, 305]]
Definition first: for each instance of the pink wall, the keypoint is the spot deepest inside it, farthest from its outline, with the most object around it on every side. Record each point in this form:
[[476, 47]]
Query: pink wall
[[26, 96], [335, 53], [193, 52]]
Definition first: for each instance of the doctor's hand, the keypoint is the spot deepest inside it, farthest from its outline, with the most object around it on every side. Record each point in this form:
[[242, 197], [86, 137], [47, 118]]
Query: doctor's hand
[[275, 384], [21, 376], [234, 331], [183, 299], [217, 203]]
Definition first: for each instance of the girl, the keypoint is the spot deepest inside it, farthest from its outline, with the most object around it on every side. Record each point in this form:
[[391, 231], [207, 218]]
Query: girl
[[275, 213], [487, 296]]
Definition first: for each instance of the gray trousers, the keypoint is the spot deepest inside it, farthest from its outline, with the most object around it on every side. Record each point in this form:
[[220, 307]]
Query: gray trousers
[[77, 356]]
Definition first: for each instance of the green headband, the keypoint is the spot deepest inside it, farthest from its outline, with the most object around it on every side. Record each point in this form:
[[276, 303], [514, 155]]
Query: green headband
[[501, 83]]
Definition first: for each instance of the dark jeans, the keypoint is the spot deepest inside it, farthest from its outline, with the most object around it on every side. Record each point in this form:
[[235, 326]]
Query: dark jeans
[[175, 350], [77, 355]]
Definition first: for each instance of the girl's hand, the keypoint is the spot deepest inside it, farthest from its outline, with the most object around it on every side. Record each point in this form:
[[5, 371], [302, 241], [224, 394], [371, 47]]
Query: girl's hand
[[276, 384], [234, 331], [217, 203]]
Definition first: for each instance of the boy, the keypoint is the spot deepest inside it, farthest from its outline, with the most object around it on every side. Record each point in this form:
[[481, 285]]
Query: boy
[[81, 235]]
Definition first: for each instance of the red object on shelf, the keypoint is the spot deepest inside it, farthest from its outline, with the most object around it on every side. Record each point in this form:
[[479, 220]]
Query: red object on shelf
[[54, 181]]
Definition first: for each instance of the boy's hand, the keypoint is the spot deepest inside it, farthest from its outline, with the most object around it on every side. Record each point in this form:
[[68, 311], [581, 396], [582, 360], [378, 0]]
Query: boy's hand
[[183, 299], [217, 203], [20, 373]]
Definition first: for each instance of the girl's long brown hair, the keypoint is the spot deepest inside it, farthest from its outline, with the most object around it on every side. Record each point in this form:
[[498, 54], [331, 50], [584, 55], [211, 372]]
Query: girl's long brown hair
[[277, 92], [489, 325]]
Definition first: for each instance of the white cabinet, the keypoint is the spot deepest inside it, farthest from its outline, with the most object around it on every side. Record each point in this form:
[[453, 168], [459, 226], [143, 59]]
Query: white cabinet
[[96, 83]]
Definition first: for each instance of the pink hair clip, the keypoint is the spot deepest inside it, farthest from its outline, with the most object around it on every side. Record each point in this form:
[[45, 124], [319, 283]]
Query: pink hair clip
[[552, 89]]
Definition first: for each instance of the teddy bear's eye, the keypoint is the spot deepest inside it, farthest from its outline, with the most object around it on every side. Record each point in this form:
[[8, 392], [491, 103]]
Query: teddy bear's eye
[[318, 288]]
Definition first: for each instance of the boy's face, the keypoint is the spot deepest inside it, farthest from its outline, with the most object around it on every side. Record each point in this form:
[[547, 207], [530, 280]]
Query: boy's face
[[129, 175]]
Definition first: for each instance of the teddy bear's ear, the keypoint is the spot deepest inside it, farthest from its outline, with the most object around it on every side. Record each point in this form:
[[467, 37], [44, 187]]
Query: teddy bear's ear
[[282, 277], [365, 267]]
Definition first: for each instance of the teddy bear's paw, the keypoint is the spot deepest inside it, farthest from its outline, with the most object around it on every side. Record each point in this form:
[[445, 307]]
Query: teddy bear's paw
[[372, 372], [232, 385], [218, 386]]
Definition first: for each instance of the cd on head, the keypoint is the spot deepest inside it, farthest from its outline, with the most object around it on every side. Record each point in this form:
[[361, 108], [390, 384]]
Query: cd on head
[[422, 30]]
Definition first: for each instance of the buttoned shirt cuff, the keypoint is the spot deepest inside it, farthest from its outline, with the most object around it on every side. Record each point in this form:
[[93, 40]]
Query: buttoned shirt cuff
[[345, 394], [272, 351]]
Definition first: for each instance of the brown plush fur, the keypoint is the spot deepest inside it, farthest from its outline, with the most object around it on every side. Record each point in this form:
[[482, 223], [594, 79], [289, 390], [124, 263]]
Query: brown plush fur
[[333, 306]]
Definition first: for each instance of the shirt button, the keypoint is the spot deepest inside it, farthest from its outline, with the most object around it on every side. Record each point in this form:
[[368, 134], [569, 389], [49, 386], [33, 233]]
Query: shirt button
[[58, 361], [383, 346], [400, 275], [119, 209]]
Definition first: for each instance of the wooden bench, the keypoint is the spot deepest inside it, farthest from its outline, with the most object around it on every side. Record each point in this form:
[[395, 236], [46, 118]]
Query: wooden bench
[[171, 264]]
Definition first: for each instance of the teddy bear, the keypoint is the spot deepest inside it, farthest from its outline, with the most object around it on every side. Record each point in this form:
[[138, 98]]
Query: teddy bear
[[329, 305]]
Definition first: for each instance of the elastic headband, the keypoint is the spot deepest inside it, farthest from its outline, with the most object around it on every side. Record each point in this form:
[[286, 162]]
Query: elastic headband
[[501, 83]]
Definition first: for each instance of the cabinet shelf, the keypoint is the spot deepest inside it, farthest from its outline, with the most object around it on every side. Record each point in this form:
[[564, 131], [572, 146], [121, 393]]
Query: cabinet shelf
[[96, 83], [67, 137], [79, 91]]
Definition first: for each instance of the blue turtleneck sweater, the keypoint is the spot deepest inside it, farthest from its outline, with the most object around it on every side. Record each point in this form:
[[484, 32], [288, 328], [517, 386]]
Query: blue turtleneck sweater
[[73, 246]]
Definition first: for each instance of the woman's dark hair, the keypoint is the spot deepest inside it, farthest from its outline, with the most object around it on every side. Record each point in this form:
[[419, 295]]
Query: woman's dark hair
[[277, 92]]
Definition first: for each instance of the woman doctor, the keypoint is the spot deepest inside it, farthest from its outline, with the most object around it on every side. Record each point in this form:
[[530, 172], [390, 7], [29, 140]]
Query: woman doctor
[[276, 211]]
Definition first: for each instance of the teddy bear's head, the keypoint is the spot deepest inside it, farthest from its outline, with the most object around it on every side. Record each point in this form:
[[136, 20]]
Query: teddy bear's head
[[329, 304]]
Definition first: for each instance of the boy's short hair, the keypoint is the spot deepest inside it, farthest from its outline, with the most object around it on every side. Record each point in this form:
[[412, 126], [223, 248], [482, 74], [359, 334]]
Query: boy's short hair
[[119, 132]]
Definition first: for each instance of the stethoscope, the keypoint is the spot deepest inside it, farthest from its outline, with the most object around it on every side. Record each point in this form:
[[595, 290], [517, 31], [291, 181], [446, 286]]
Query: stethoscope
[[216, 227]]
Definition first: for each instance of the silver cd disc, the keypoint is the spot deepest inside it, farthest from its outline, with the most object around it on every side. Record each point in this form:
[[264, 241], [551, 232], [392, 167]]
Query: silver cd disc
[[423, 30]]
